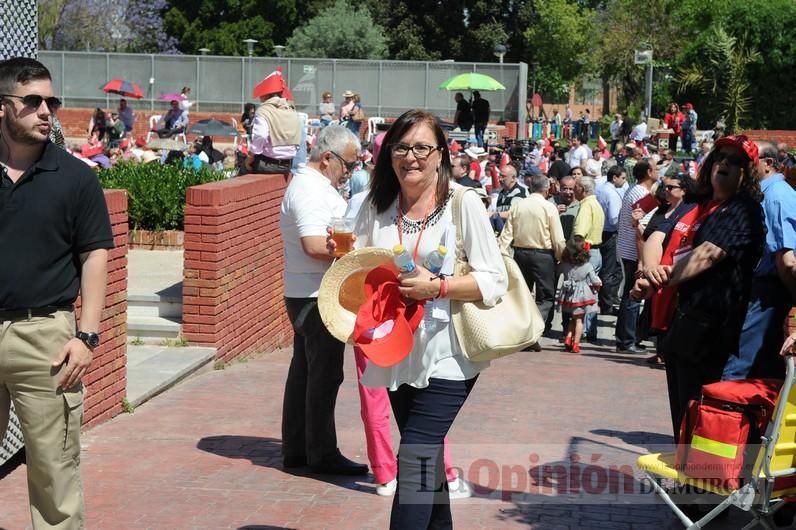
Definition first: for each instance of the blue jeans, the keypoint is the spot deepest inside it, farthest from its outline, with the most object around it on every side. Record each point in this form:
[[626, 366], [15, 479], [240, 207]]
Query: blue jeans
[[628, 308], [762, 333], [590, 320], [479, 133], [424, 416]]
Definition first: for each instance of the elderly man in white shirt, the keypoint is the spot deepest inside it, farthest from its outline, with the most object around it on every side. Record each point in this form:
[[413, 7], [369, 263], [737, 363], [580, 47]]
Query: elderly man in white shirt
[[316, 370]]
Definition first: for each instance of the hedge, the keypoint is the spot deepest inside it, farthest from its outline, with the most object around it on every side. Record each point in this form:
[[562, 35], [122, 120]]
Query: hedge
[[156, 193]]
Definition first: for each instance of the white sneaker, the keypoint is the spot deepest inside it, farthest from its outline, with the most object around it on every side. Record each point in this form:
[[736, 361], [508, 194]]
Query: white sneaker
[[387, 490], [459, 489]]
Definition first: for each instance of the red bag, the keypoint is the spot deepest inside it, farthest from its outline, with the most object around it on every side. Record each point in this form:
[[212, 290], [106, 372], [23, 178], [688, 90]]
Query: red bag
[[720, 430]]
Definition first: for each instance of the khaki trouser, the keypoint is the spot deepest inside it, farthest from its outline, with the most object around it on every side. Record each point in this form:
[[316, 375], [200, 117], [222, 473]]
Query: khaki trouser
[[50, 417]]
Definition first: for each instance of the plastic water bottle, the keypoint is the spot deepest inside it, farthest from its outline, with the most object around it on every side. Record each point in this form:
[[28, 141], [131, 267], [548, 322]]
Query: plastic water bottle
[[433, 261], [403, 260]]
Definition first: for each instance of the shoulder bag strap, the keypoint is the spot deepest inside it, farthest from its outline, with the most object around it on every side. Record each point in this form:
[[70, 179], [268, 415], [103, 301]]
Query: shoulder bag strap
[[456, 215]]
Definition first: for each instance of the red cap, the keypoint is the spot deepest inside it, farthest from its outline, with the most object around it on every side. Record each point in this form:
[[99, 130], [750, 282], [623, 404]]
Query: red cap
[[385, 325], [688, 106], [140, 141], [272, 84], [455, 147], [124, 144], [741, 142]]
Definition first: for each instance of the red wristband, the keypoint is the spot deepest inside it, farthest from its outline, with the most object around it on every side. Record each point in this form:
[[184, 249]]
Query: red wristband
[[443, 287]]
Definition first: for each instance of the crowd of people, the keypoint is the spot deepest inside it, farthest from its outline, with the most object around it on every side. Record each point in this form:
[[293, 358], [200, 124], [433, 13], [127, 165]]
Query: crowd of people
[[672, 247], [697, 254]]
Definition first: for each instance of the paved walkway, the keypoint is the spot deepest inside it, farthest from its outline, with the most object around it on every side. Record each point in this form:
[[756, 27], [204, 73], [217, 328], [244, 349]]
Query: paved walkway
[[206, 454]]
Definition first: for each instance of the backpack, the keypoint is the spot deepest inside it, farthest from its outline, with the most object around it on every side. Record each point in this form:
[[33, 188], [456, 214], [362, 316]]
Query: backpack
[[720, 434]]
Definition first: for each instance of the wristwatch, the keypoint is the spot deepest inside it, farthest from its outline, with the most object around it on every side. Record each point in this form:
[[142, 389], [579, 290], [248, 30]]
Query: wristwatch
[[90, 339]]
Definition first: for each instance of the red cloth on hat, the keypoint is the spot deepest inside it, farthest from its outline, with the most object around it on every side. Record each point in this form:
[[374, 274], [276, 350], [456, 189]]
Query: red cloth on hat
[[385, 325]]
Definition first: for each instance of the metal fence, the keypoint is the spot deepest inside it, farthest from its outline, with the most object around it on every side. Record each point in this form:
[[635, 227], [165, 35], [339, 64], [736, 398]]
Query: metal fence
[[224, 84]]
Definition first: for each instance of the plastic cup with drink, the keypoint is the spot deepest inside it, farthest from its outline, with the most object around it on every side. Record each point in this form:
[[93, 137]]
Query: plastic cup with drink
[[342, 235]]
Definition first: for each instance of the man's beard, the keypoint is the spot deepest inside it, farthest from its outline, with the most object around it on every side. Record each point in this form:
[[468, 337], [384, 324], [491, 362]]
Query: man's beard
[[20, 135]]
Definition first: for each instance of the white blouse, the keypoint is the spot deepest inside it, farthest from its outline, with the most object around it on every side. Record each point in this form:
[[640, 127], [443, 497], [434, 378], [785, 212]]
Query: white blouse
[[436, 351]]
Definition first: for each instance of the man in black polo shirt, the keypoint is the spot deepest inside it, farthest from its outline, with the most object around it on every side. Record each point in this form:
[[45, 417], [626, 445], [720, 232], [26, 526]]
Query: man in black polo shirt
[[54, 236], [480, 109]]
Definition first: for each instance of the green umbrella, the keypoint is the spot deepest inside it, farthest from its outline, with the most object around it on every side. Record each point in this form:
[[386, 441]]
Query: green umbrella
[[471, 81]]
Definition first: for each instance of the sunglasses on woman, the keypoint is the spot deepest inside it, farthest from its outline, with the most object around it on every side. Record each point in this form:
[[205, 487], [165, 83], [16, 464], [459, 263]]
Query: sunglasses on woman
[[735, 159], [33, 101]]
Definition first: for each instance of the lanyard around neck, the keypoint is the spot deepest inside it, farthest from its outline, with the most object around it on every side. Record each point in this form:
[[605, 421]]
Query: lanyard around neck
[[422, 226]]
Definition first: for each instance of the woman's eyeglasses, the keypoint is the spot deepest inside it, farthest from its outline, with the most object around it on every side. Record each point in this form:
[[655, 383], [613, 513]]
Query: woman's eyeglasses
[[670, 187], [420, 150], [34, 101], [731, 158]]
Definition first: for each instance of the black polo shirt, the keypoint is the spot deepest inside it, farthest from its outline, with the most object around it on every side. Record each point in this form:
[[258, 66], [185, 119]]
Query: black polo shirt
[[55, 211]]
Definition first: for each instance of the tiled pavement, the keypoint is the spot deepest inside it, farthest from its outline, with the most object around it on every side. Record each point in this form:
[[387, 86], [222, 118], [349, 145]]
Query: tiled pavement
[[206, 454]]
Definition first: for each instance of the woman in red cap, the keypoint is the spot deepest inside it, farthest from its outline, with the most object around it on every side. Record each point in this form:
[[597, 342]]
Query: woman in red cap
[[712, 271], [410, 204]]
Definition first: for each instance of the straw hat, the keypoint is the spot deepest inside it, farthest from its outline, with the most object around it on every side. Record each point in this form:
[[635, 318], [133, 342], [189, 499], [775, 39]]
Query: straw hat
[[342, 290], [348, 94]]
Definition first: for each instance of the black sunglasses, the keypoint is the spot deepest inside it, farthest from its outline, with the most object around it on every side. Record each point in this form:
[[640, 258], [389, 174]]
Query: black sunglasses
[[735, 159], [349, 166], [34, 101]]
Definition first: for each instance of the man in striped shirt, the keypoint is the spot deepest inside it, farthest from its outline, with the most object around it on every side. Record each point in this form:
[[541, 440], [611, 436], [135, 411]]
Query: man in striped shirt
[[629, 230]]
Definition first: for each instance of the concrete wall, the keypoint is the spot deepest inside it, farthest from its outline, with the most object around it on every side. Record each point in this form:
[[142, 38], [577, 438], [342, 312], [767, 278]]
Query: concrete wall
[[232, 291]]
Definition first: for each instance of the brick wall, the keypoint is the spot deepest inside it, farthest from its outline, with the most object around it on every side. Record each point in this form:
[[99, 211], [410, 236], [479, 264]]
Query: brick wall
[[232, 290], [788, 137], [106, 382]]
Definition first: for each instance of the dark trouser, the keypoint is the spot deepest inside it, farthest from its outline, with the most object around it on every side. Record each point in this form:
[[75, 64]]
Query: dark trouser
[[262, 166], [168, 132], [424, 416], [688, 141], [611, 273], [479, 133], [590, 319], [684, 380], [628, 308], [762, 334], [539, 270], [315, 375]]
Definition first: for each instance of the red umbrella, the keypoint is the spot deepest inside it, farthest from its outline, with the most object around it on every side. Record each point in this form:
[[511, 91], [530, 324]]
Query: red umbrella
[[123, 88], [171, 96]]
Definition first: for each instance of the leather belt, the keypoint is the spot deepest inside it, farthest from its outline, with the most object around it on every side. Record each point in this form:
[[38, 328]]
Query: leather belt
[[275, 161], [27, 314]]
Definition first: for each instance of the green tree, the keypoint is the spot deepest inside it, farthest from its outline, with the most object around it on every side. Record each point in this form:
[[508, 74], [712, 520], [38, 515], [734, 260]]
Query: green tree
[[560, 35], [621, 27], [358, 37], [723, 75], [222, 25], [419, 30], [763, 25]]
